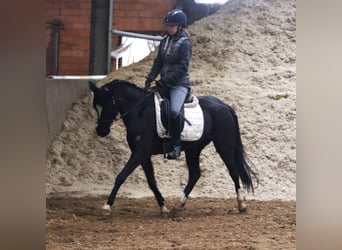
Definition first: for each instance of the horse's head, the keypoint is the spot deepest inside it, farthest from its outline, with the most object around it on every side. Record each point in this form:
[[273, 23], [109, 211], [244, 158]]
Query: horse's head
[[106, 108]]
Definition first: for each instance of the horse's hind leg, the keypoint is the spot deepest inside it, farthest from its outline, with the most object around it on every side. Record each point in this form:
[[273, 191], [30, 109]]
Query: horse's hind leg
[[192, 161], [149, 173], [242, 205], [226, 152]]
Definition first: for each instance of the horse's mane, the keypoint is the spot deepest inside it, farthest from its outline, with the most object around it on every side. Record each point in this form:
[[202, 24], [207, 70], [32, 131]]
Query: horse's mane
[[119, 83]]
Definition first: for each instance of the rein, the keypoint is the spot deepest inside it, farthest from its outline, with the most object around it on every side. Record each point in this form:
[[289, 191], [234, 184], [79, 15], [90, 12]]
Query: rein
[[135, 106]]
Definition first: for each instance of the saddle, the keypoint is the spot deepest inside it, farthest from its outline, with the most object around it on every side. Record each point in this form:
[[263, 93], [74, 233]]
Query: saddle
[[192, 114]]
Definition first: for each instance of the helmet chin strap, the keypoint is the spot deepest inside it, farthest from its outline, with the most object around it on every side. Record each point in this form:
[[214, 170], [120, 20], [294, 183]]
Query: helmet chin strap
[[179, 28]]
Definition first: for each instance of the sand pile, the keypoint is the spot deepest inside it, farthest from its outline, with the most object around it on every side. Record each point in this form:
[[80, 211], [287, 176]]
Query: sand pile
[[244, 54]]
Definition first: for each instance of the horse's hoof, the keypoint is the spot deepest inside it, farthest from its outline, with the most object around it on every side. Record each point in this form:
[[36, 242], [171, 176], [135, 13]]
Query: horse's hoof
[[180, 204], [106, 209], [164, 210], [243, 208]]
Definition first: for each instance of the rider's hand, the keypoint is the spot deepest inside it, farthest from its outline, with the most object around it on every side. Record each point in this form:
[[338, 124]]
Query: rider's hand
[[148, 83]]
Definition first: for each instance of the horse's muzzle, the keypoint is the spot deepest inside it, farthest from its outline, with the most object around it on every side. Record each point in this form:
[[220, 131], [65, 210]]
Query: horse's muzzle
[[102, 131]]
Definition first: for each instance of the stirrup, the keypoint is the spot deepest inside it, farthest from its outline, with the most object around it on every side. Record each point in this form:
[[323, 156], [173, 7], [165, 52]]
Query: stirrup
[[175, 153]]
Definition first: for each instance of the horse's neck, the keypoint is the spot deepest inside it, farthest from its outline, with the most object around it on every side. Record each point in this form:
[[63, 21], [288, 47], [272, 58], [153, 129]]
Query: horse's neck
[[130, 101]]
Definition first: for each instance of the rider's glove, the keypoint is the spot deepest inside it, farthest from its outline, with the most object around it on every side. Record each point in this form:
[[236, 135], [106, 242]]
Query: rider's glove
[[148, 83]]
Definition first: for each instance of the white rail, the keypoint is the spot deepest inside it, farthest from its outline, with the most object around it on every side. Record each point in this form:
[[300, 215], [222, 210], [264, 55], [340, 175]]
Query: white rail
[[136, 35]]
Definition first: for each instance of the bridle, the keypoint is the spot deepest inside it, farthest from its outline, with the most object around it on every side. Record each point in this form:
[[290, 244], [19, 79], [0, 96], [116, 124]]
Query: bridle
[[120, 115]]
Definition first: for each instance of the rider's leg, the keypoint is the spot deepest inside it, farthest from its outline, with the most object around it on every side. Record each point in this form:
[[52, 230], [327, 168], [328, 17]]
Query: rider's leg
[[177, 98]]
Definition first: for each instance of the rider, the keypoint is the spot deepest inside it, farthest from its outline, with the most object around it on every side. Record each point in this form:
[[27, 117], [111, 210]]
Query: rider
[[172, 62]]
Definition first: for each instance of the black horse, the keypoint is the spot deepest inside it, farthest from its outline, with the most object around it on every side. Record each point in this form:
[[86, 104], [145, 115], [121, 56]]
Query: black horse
[[122, 99]]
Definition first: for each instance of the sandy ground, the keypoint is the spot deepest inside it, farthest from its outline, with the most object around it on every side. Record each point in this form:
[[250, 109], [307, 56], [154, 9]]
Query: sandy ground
[[244, 54], [205, 223]]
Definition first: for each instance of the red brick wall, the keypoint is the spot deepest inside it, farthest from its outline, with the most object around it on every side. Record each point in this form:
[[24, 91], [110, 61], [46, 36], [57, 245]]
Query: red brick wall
[[140, 15], [74, 36], [128, 15]]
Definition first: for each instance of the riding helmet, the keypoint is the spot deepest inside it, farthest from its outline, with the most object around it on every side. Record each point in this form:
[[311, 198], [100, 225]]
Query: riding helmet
[[176, 17]]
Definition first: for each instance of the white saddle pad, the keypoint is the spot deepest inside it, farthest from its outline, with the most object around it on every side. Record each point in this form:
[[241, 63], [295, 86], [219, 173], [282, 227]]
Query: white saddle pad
[[193, 113]]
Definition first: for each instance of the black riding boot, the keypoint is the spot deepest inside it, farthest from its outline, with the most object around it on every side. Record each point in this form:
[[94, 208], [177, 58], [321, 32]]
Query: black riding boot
[[176, 142]]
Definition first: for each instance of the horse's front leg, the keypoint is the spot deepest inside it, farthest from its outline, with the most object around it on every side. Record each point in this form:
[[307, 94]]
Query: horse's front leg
[[192, 161], [149, 173], [132, 164]]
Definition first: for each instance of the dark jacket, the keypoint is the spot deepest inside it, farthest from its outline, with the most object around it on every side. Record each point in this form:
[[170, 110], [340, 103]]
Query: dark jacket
[[173, 59]]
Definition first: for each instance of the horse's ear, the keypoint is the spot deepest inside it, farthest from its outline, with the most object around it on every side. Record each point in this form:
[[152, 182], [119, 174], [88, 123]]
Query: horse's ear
[[93, 86]]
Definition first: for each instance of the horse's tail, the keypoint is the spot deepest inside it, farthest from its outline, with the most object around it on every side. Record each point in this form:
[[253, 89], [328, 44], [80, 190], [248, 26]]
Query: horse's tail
[[245, 171]]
